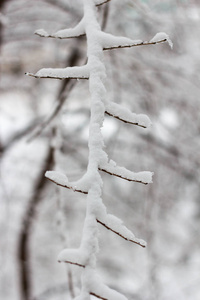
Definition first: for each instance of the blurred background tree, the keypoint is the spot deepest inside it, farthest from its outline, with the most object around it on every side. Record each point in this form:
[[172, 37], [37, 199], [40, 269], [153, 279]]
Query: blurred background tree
[[37, 219]]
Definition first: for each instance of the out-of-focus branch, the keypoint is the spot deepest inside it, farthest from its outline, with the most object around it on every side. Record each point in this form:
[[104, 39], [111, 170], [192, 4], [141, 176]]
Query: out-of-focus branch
[[100, 2], [24, 235], [122, 177], [105, 16], [17, 136]]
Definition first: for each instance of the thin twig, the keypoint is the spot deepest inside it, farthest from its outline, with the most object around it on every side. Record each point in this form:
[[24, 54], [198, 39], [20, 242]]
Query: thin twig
[[68, 187], [106, 226], [72, 263], [100, 297], [63, 93], [105, 1], [120, 176], [125, 121], [55, 77], [59, 37], [134, 45]]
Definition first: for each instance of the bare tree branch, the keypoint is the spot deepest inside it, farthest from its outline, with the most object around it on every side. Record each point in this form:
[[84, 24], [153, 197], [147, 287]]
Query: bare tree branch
[[123, 120], [24, 236], [97, 296], [70, 187], [72, 263], [100, 2], [109, 228], [121, 176]]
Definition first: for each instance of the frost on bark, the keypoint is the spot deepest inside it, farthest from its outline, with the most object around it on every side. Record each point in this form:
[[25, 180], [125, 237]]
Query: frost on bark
[[91, 183]]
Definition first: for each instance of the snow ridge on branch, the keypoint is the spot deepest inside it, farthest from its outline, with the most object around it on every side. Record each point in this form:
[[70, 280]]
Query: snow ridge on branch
[[62, 180], [81, 72], [100, 2], [110, 41], [125, 115], [77, 31], [111, 168]]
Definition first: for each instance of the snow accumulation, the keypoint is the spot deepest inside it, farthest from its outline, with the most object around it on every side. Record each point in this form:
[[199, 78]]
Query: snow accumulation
[[57, 177], [62, 180], [124, 114], [81, 72], [77, 31], [110, 41], [161, 36], [41, 32], [99, 2], [143, 177], [74, 256], [116, 225], [91, 182]]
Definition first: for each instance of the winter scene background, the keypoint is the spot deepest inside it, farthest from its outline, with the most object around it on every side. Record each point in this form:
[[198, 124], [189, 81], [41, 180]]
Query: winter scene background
[[45, 125]]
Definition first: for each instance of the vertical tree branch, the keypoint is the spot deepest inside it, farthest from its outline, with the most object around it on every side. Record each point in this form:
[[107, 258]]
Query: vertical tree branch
[[23, 253]]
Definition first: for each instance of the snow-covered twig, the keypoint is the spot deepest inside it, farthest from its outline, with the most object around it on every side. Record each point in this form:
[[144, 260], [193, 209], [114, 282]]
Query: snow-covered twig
[[125, 115], [81, 72], [134, 240], [62, 180], [77, 31], [110, 41], [100, 2], [111, 168], [97, 296]]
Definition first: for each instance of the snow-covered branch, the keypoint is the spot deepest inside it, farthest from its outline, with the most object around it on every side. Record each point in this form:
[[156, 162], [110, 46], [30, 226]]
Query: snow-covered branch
[[125, 115], [100, 2], [111, 168], [77, 31], [72, 256], [62, 180], [91, 183], [81, 72], [110, 41], [115, 225]]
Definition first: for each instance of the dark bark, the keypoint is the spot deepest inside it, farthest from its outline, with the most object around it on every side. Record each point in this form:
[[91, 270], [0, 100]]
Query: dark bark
[[25, 234]]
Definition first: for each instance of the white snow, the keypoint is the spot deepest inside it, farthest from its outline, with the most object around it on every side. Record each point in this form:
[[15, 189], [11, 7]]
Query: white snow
[[116, 225], [143, 177], [110, 41], [102, 290], [74, 256], [77, 31], [41, 32], [57, 177], [124, 114], [81, 72], [95, 71], [62, 180], [99, 2], [161, 36]]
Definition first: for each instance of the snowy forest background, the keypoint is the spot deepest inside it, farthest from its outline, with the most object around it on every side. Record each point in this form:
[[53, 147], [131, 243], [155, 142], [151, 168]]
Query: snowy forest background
[[155, 80]]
